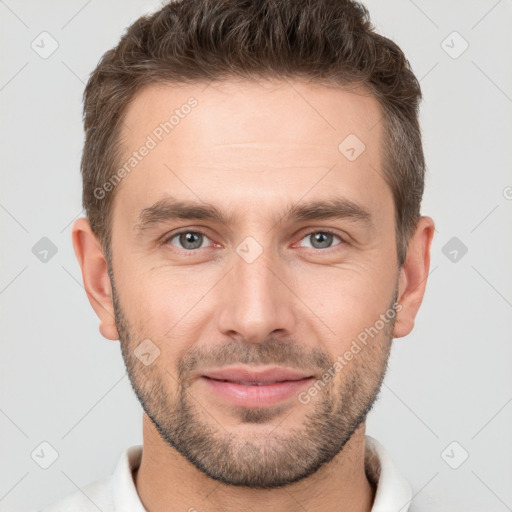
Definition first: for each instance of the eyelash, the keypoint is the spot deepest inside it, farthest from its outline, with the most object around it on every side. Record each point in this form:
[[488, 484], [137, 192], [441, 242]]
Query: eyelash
[[198, 231]]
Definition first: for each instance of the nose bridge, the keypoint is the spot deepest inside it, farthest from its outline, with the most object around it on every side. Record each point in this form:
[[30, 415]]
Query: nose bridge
[[256, 301]]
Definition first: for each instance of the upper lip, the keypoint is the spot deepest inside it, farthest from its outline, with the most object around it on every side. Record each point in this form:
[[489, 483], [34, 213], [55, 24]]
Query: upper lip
[[262, 375]]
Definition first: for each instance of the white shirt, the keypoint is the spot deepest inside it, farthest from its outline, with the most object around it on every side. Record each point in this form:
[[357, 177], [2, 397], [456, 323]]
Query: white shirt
[[117, 492]]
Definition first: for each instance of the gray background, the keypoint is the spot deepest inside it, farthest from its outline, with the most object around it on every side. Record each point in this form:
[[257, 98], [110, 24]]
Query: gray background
[[449, 380]]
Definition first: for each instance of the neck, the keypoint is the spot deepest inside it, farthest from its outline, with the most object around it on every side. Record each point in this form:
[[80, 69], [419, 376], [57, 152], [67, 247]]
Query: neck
[[166, 481]]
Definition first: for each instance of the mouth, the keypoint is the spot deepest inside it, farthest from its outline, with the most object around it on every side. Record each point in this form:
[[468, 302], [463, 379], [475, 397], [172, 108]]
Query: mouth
[[248, 387], [253, 383]]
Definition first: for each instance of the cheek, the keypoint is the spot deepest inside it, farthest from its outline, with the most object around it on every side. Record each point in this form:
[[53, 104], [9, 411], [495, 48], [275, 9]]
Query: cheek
[[168, 306], [348, 300]]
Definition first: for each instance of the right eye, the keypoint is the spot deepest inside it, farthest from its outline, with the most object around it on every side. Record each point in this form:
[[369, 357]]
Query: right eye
[[187, 240]]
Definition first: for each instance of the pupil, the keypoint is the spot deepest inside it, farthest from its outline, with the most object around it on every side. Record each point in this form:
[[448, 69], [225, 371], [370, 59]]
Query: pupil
[[188, 238], [322, 239]]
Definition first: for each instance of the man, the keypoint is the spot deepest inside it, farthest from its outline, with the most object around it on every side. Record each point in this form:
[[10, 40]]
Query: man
[[253, 174]]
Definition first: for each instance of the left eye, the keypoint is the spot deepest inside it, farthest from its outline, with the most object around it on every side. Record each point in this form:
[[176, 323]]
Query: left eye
[[321, 239], [189, 240]]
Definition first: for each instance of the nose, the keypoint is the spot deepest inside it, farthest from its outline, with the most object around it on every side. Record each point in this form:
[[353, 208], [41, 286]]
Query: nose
[[256, 300]]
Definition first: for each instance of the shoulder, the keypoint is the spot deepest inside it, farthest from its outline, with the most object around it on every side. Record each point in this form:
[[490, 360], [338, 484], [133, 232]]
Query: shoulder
[[108, 494]]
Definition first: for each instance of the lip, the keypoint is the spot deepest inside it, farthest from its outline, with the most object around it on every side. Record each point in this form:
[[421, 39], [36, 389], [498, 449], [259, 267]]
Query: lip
[[259, 376], [254, 388]]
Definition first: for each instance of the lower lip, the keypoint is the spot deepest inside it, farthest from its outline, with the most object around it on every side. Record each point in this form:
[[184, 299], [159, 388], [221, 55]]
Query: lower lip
[[256, 396]]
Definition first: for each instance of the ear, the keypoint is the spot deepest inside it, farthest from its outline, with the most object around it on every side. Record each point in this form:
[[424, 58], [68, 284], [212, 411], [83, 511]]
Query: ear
[[413, 277], [93, 263]]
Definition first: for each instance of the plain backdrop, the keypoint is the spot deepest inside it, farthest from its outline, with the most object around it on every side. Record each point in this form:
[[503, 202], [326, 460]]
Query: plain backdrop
[[445, 410]]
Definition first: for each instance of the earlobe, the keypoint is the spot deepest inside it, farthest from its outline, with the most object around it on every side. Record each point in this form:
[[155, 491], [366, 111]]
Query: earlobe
[[413, 277], [97, 285]]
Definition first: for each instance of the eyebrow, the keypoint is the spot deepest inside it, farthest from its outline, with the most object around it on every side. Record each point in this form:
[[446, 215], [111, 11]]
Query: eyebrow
[[171, 208]]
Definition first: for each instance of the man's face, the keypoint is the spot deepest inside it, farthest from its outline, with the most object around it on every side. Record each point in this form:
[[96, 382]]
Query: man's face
[[270, 284]]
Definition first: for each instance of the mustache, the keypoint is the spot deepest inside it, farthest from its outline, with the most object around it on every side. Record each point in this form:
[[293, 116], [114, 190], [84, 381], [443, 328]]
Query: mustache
[[278, 351]]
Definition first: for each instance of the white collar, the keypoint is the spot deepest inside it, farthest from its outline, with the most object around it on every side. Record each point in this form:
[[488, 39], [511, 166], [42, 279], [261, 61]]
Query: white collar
[[394, 493]]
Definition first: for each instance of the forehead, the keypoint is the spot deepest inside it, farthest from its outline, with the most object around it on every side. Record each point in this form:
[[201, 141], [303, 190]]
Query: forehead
[[228, 141]]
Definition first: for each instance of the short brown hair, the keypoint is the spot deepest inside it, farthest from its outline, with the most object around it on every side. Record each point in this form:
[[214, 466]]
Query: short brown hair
[[322, 41]]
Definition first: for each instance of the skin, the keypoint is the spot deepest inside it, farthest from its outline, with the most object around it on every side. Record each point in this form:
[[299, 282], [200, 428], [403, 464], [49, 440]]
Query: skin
[[253, 149]]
